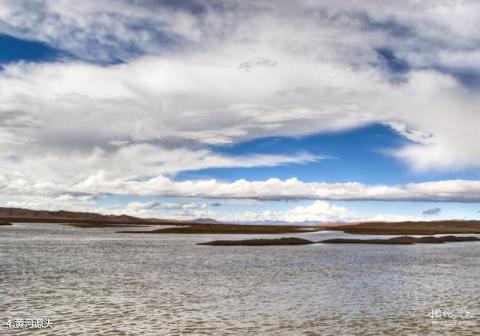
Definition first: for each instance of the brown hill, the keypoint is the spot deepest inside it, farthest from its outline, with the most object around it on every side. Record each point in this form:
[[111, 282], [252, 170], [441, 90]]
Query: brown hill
[[44, 216]]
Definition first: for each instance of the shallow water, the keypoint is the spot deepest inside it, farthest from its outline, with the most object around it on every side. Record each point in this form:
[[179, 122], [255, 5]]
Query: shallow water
[[98, 282]]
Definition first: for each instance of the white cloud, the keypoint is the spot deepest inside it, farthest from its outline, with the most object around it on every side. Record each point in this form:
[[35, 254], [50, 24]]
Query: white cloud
[[84, 203], [174, 109], [315, 212], [439, 32], [318, 211], [175, 210], [165, 206], [271, 189], [276, 189]]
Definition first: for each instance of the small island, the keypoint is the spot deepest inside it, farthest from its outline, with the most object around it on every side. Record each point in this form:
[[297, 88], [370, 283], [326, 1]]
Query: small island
[[403, 240], [260, 242], [411, 228]]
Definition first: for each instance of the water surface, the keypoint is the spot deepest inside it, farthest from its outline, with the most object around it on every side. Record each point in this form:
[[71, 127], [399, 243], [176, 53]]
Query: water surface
[[98, 282]]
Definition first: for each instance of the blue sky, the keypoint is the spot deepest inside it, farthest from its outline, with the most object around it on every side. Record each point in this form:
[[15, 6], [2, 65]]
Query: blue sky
[[360, 155], [201, 109], [15, 50]]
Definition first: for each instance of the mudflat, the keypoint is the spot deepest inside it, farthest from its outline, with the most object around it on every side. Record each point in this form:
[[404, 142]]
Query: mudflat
[[260, 242], [402, 240], [230, 229], [411, 228]]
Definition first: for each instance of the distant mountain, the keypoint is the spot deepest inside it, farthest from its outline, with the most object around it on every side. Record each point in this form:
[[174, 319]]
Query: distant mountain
[[26, 215], [87, 219], [275, 222], [45, 216], [206, 221]]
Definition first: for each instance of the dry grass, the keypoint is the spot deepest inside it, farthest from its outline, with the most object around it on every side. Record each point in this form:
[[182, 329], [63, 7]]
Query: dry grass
[[4, 222]]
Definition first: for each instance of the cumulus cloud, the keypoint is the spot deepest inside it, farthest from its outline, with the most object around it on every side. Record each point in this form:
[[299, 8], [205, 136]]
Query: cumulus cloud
[[318, 211], [315, 212], [271, 189]]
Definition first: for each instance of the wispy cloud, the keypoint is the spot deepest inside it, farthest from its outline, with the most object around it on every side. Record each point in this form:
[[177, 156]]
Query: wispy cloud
[[432, 212]]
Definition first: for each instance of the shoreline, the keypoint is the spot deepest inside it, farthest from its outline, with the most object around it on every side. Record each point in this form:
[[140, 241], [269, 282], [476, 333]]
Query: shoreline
[[230, 229], [94, 220]]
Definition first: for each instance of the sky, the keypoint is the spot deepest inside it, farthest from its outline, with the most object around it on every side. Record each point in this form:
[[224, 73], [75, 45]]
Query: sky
[[242, 111]]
